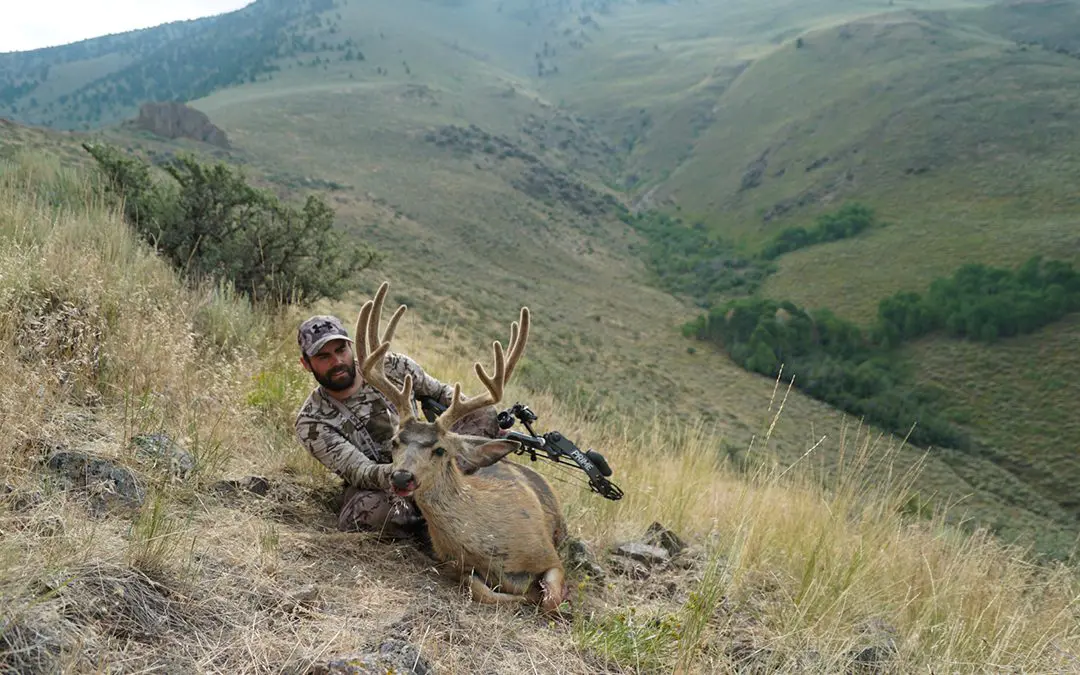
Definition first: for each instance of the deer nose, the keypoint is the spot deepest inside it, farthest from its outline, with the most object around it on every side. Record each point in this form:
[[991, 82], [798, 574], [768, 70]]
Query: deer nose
[[401, 479]]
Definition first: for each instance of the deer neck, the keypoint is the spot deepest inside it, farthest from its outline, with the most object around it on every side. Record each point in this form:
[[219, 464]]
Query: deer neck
[[443, 501]]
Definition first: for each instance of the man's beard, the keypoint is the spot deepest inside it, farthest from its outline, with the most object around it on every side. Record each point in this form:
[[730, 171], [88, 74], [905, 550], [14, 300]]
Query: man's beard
[[327, 380]]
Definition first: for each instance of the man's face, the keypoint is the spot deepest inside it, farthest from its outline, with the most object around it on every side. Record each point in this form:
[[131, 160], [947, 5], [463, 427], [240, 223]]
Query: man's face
[[333, 366]]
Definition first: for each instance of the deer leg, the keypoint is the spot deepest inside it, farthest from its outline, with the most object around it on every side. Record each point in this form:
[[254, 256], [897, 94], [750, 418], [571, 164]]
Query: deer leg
[[555, 589], [484, 595]]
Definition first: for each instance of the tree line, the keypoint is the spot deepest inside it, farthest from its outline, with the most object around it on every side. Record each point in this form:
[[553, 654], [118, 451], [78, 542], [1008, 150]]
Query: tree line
[[178, 63], [689, 260], [859, 370]]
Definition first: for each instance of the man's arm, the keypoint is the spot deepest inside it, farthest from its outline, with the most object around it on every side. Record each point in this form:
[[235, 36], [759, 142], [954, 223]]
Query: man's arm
[[398, 365], [338, 454]]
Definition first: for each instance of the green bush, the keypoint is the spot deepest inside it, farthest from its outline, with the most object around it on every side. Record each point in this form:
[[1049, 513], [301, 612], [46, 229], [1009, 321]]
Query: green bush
[[830, 359], [983, 303], [836, 362], [849, 221], [690, 261], [210, 223]]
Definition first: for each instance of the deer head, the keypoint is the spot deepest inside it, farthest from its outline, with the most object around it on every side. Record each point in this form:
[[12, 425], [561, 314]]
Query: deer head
[[428, 455]]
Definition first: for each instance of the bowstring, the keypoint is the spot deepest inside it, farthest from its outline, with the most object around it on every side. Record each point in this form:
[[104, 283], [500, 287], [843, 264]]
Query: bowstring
[[579, 480]]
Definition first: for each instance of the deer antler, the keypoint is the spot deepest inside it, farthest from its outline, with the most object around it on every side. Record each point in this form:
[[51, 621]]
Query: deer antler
[[371, 352], [504, 368]]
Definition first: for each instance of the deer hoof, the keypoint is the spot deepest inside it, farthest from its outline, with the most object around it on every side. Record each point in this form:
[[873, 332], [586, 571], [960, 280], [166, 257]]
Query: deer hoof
[[555, 590]]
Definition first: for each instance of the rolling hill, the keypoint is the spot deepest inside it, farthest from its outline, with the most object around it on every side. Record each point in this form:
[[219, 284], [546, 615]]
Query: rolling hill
[[494, 149]]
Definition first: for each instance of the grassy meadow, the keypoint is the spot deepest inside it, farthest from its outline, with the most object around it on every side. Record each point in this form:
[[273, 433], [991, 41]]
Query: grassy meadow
[[102, 343]]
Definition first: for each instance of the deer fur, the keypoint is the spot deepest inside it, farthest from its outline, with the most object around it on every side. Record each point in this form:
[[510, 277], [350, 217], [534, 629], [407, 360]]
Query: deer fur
[[496, 525]]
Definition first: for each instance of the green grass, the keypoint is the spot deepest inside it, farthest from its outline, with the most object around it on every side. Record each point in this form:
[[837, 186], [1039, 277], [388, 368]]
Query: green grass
[[1018, 397]]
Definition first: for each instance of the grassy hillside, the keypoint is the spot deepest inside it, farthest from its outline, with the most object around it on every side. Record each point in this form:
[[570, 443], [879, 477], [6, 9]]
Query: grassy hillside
[[103, 344], [964, 143], [103, 80], [1049, 23], [490, 149]]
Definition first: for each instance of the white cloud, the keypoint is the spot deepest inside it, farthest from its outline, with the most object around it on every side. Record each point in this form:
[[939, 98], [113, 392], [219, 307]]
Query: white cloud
[[30, 24]]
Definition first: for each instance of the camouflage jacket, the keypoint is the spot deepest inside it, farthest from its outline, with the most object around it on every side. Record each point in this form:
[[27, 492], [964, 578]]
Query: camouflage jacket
[[353, 446]]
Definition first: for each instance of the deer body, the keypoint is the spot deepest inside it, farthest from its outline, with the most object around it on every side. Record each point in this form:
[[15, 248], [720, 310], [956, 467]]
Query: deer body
[[496, 525]]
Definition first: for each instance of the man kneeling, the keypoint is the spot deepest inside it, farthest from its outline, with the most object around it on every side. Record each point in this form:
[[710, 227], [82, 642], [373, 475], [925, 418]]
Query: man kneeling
[[346, 424]]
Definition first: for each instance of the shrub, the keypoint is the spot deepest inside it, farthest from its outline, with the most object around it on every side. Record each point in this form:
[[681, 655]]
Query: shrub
[[983, 303], [211, 224], [848, 221], [691, 261]]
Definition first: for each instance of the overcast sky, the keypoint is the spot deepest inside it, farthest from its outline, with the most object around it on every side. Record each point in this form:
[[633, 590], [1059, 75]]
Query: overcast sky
[[29, 24]]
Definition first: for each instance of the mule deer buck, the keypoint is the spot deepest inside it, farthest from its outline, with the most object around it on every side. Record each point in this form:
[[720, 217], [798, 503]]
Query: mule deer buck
[[496, 524]]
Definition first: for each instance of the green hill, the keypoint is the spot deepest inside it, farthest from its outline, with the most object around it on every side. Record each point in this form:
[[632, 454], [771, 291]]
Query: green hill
[[966, 144], [493, 148]]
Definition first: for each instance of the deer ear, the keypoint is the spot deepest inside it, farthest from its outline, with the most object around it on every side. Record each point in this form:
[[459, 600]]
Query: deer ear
[[483, 453]]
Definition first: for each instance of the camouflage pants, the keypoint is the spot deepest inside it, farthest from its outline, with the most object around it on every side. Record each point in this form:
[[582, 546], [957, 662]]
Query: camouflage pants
[[379, 511]]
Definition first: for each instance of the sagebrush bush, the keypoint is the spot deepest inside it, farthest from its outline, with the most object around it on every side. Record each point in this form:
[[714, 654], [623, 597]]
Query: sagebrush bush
[[212, 225]]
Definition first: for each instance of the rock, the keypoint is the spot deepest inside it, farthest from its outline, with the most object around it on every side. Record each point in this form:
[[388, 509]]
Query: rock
[[658, 535], [873, 659], [306, 595], [172, 120], [645, 553], [748, 656], [255, 484], [164, 453], [627, 567], [579, 557], [105, 482], [878, 650], [392, 656], [51, 526], [754, 173]]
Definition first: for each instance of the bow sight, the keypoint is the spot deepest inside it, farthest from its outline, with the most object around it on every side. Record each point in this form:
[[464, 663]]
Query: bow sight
[[554, 446]]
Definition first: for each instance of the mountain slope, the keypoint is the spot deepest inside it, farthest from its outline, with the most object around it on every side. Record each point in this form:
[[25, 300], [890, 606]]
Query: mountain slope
[[966, 144], [151, 490], [492, 147]]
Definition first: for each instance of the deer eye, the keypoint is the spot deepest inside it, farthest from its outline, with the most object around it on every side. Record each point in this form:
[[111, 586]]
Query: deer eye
[[439, 451]]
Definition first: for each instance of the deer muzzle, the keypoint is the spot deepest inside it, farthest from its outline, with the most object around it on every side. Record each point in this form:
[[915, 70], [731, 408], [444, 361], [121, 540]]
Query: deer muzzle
[[402, 482]]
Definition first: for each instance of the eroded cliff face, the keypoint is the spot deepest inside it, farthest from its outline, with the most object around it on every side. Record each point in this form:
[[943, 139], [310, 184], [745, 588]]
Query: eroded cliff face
[[171, 120]]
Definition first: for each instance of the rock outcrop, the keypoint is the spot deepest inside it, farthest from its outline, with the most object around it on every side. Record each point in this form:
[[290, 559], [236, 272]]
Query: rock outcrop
[[172, 120]]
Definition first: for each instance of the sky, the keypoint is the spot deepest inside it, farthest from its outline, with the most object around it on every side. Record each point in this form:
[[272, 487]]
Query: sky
[[30, 24]]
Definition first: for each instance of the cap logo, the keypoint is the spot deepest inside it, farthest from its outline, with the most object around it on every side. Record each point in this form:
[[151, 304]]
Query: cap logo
[[317, 331]]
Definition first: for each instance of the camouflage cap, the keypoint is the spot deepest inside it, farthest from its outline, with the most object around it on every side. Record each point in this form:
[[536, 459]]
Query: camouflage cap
[[318, 330]]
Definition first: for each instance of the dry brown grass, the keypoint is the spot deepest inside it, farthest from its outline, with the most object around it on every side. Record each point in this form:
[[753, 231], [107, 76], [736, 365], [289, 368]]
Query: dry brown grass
[[101, 342]]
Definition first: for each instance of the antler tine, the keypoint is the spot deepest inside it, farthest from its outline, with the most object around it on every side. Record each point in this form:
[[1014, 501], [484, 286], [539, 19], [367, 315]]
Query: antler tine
[[504, 367], [362, 349], [371, 351], [518, 338]]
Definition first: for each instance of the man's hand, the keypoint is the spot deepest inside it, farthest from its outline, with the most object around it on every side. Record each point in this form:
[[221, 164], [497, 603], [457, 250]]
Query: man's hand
[[383, 473]]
